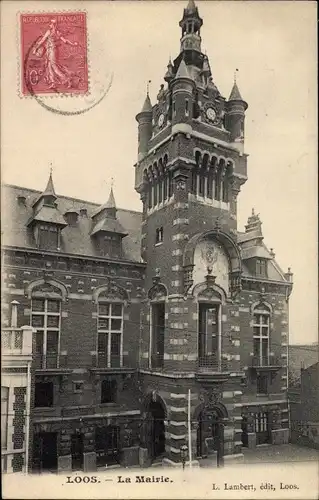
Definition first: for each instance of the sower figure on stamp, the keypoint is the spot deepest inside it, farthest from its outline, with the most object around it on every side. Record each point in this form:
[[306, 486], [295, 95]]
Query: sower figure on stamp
[[47, 47]]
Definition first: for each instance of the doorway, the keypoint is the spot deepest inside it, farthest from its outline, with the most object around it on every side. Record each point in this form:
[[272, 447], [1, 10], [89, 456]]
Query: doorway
[[45, 451], [244, 433], [77, 449], [157, 429], [210, 435]]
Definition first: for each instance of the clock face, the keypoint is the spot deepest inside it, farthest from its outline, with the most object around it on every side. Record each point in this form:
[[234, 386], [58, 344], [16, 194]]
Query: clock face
[[211, 114], [161, 120]]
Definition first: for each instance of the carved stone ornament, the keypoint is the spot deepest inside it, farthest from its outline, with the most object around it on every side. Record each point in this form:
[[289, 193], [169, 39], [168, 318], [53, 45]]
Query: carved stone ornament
[[180, 185], [210, 397], [157, 292]]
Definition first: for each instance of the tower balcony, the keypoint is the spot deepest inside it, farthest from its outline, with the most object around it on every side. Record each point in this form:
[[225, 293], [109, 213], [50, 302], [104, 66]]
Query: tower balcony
[[212, 368]]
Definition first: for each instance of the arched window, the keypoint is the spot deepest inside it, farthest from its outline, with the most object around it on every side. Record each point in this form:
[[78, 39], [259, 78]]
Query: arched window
[[110, 331], [225, 189], [170, 184], [46, 302], [261, 334]]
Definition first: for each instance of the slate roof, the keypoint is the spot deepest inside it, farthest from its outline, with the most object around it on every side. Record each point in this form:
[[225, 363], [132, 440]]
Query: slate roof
[[109, 225], [75, 239], [48, 214]]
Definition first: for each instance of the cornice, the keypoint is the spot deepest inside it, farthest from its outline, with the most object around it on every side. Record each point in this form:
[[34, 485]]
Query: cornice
[[65, 255]]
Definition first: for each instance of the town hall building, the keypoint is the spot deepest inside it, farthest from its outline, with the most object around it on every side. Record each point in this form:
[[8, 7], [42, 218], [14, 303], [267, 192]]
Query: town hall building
[[161, 329]]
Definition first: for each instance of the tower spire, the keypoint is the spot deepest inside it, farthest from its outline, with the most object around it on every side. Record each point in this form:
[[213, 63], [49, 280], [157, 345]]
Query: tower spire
[[191, 24], [49, 190]]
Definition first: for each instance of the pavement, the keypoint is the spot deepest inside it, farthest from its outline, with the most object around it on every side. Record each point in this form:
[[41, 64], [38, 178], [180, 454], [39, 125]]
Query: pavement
[[280, 453], [271, 454]]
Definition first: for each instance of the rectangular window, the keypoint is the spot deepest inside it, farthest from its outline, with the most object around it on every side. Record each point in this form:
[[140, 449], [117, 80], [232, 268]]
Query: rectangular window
[[262, 384], [186, 107], [49, 237], [261, 268], [46, 318], [110, 333], [159, 235], [4, 416], [43, 397], [158, 332], [208, 335], [108, 391], [261, 339]]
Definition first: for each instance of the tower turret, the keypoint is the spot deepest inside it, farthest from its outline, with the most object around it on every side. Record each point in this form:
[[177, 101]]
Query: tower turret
[[182, 95], [169, 75], [144, 119], [191, 24], [235, 116]]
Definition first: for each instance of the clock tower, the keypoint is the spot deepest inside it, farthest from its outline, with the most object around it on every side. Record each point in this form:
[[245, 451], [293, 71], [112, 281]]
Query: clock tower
[[191, 165]]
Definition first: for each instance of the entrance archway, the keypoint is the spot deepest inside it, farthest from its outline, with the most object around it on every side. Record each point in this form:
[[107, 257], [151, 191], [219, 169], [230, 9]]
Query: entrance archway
[[210, 431]]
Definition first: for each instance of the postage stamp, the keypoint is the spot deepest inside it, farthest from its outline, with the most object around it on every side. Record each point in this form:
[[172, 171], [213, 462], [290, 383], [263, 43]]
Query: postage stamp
[[54, 53]]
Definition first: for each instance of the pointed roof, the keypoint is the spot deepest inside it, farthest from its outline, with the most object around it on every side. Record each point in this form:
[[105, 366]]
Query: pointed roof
[[191, 7], [235, 94], [169, 73], [147, 107], [111, 201], [49, 190], [191, 11], [182, 71], [206, 65]]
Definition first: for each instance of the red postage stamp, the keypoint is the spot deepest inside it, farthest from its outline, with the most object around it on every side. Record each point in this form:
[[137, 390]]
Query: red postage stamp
[[54, 53]]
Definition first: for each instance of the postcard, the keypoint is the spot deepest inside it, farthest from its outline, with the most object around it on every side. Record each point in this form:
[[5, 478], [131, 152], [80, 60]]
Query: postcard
[[159, 295]]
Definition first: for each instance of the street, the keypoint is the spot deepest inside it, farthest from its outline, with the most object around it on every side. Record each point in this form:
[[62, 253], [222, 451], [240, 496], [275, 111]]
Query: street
[[271, 454]]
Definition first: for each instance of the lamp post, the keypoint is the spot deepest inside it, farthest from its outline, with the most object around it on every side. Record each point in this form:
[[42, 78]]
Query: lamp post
[[184, 450]]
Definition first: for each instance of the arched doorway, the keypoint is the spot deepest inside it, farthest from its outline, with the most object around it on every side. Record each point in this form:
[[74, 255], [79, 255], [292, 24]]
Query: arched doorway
[[157, 429], [210, 432]]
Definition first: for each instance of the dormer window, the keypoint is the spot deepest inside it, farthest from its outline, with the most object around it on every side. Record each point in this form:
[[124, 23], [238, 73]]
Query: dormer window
[[261, 268], [48, 236]]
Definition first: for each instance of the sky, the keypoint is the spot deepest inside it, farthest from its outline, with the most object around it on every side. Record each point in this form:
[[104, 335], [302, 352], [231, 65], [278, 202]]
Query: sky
[[273, 45]]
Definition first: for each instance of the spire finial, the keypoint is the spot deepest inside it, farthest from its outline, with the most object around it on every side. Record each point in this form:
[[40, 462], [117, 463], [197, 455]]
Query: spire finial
[[235, 75], [51, 169], [112, 182], [148, 87], [252, 211]]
